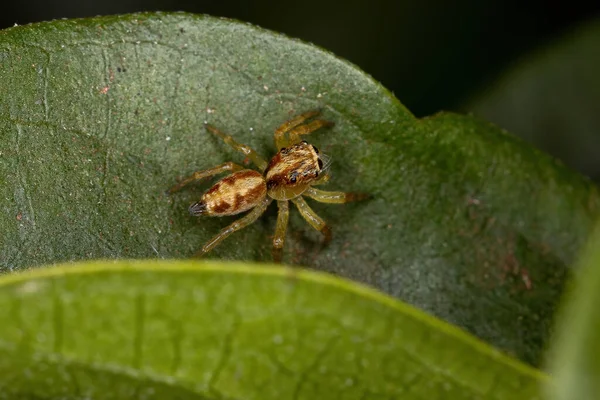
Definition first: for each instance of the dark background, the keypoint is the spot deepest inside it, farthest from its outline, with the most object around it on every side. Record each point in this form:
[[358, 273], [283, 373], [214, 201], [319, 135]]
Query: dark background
[[431, 54]]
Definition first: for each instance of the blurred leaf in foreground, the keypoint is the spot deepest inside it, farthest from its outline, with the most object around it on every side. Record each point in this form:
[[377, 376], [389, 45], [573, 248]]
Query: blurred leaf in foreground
[[575, 359], [155, 330]]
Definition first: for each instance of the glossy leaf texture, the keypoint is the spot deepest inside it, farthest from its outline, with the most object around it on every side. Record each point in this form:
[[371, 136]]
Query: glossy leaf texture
[[574, 359], [98, 117], [155, 330]]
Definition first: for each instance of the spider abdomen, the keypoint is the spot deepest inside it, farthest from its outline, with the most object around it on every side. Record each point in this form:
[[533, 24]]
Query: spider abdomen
[[232, 195]]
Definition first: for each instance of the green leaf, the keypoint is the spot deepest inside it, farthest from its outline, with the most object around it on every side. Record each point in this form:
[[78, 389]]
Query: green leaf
[[99, 116], [575, 356], [550, 98], [187, 330]]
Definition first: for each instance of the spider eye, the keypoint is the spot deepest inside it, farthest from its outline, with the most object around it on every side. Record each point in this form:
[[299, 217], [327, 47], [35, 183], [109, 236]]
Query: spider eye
[[293, 177], [320, 162], [315, 149], [304, 142]]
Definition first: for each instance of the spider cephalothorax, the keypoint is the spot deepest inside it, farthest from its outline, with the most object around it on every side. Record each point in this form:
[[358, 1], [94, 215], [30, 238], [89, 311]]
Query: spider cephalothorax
[[292, 170], [290, 174]]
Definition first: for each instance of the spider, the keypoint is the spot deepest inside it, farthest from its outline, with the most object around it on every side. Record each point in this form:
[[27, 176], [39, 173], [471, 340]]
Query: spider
[[291, 173]]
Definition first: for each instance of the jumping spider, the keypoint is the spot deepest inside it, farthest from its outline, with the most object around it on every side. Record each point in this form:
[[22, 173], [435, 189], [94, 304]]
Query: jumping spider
[[291, 173]]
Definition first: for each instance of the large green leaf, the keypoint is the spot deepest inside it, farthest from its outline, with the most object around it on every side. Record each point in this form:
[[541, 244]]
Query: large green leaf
[[99, 116], [551, 99], [225, 331], [575, 357]]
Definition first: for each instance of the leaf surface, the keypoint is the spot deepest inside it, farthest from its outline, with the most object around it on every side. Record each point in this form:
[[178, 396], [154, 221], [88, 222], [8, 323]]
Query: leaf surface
[[182, 330], [574, 357], [98, 117]]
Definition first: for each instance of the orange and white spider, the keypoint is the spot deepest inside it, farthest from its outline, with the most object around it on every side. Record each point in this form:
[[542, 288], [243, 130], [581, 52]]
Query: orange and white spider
[[290, 174]]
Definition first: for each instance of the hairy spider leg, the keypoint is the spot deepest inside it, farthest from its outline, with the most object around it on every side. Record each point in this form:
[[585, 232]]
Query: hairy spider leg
[[283, 214], [325, 196], [280, 139], [294, 134], [244, 149], [235, 226], [312, 218], [199, 175], [322, 179]]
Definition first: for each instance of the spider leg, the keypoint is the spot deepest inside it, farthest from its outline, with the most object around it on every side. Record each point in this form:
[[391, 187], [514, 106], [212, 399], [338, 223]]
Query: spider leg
[[321, 180], [235, 226], [312, 218], [280, 229], [334, 197], [280, 139], [308, 128], [244, 149], [199, 175]]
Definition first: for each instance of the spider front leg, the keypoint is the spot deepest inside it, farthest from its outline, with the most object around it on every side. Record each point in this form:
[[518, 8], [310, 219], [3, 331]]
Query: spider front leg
[[235, 226], [308, 128], [325, 196], [294, 127], [280, 139], [312, 218], [207, 173], [282, 221], [322, 179], [246, 150]]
